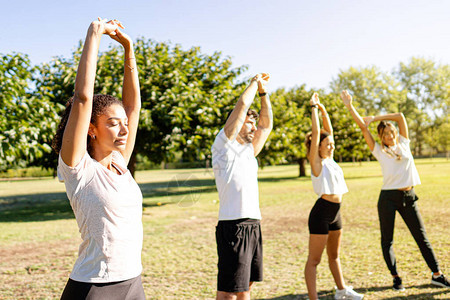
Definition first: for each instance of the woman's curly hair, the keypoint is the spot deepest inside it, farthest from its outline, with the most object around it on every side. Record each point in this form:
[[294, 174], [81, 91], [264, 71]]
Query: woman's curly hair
[[100, 104]]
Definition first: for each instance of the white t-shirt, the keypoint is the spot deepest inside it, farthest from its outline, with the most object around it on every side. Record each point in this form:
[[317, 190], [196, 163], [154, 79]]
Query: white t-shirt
[[108, 210], [236, 172], [330, 180], [398, 168]]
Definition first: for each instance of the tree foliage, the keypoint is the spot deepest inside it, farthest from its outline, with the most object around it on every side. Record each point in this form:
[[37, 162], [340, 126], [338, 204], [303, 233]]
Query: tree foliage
[[26, 119], [186, 96]]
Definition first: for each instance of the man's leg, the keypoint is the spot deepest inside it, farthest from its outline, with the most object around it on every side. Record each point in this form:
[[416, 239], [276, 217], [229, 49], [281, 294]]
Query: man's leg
[[233, 296], [235, 250]]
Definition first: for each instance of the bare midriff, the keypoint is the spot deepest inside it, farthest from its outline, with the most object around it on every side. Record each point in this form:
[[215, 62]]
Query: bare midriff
[[406, 188], [332, 198]]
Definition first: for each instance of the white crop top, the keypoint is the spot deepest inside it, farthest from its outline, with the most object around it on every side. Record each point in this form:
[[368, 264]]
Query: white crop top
[[330, 180], [397, 165]]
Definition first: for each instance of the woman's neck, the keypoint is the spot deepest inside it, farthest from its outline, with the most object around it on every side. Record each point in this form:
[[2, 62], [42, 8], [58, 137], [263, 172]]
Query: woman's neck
[[104, 158]]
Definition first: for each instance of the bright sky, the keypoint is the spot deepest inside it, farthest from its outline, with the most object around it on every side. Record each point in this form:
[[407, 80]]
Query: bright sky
[[296, 41]]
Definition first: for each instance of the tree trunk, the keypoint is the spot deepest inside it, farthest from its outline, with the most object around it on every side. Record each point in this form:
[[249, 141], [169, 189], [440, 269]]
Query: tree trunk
[[302, 167], [132, 163]]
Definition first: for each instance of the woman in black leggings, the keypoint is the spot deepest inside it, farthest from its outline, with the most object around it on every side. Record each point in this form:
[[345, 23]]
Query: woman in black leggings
[[397, 194]]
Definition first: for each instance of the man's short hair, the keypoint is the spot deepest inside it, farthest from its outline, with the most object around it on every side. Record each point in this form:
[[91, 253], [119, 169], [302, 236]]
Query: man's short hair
[[250, 112]]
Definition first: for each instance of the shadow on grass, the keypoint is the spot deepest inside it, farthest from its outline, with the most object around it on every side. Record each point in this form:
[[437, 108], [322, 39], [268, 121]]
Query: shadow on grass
[[426, 295], [322, 295], [330, 294], [35, 207], [278, 179], [182, 189], [56, 206]]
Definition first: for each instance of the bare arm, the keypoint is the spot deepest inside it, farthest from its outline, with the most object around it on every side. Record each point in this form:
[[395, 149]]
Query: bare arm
[[325, 119], [265, 123], [347, 99], [131, 95], [314, 158], [396, 117], [74, 140], [239, 113]]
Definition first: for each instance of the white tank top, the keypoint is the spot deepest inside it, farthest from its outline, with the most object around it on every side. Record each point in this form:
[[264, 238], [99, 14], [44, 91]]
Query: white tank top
[[330, 180]]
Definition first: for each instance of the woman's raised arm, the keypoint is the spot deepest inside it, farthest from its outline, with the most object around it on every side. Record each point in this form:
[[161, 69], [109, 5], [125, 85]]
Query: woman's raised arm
[[347, 99], [74, 142], [314, 157], [131, 95]]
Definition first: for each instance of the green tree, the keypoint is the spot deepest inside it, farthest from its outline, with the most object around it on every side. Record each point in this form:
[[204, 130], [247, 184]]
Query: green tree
[[374, 91], [290, 125], [26, 119], [185, 95], [426, 86], [349, 140]]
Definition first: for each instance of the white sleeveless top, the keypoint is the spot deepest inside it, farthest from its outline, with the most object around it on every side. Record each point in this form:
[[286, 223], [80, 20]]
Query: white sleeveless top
[[330, 180]]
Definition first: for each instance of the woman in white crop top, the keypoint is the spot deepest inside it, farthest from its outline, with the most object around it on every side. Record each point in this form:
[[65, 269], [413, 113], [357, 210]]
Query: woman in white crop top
[[325, 226], [94, 141], [397, 193]]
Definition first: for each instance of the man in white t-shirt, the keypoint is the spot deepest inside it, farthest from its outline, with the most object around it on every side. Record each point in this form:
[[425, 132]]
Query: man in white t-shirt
[[238, 232]]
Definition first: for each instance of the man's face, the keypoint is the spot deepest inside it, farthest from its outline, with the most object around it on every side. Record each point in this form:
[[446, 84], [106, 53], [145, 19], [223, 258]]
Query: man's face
[[247, 132]]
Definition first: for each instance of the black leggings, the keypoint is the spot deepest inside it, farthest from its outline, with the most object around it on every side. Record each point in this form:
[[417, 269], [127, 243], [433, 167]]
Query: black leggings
[[130, 289], [404, 202]]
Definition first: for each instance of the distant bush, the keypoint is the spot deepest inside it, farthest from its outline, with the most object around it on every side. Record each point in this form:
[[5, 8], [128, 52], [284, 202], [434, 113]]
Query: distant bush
[[26, 172]]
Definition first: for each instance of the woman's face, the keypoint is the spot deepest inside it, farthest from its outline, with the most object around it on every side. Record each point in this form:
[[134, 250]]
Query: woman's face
[[111, 130], [326, 147], [389, 136]]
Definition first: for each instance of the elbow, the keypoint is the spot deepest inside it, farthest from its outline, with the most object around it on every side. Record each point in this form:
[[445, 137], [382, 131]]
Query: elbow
[[269, 126], [82, 97], [399, 117]]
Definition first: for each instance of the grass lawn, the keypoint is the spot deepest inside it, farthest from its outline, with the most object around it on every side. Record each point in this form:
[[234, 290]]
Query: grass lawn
[[39, 236]]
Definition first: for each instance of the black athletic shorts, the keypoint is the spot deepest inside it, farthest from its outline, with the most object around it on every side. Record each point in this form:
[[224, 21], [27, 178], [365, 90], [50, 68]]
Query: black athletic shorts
[[239, 247], [130, 289], [324, 216]]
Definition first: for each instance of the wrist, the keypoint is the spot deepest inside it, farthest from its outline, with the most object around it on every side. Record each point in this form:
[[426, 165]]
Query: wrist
[[96, 27], [128, 49]]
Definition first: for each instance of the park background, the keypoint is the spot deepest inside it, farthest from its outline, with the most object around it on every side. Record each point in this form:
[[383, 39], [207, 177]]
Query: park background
[[194, 59]]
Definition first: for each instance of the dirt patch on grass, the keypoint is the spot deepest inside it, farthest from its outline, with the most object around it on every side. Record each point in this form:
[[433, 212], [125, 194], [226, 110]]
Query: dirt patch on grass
[[36, 270]]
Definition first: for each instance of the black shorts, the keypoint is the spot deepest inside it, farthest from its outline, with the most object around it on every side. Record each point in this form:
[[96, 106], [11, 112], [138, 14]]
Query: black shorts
[[325, 216], [239, 247], [131, 289]]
